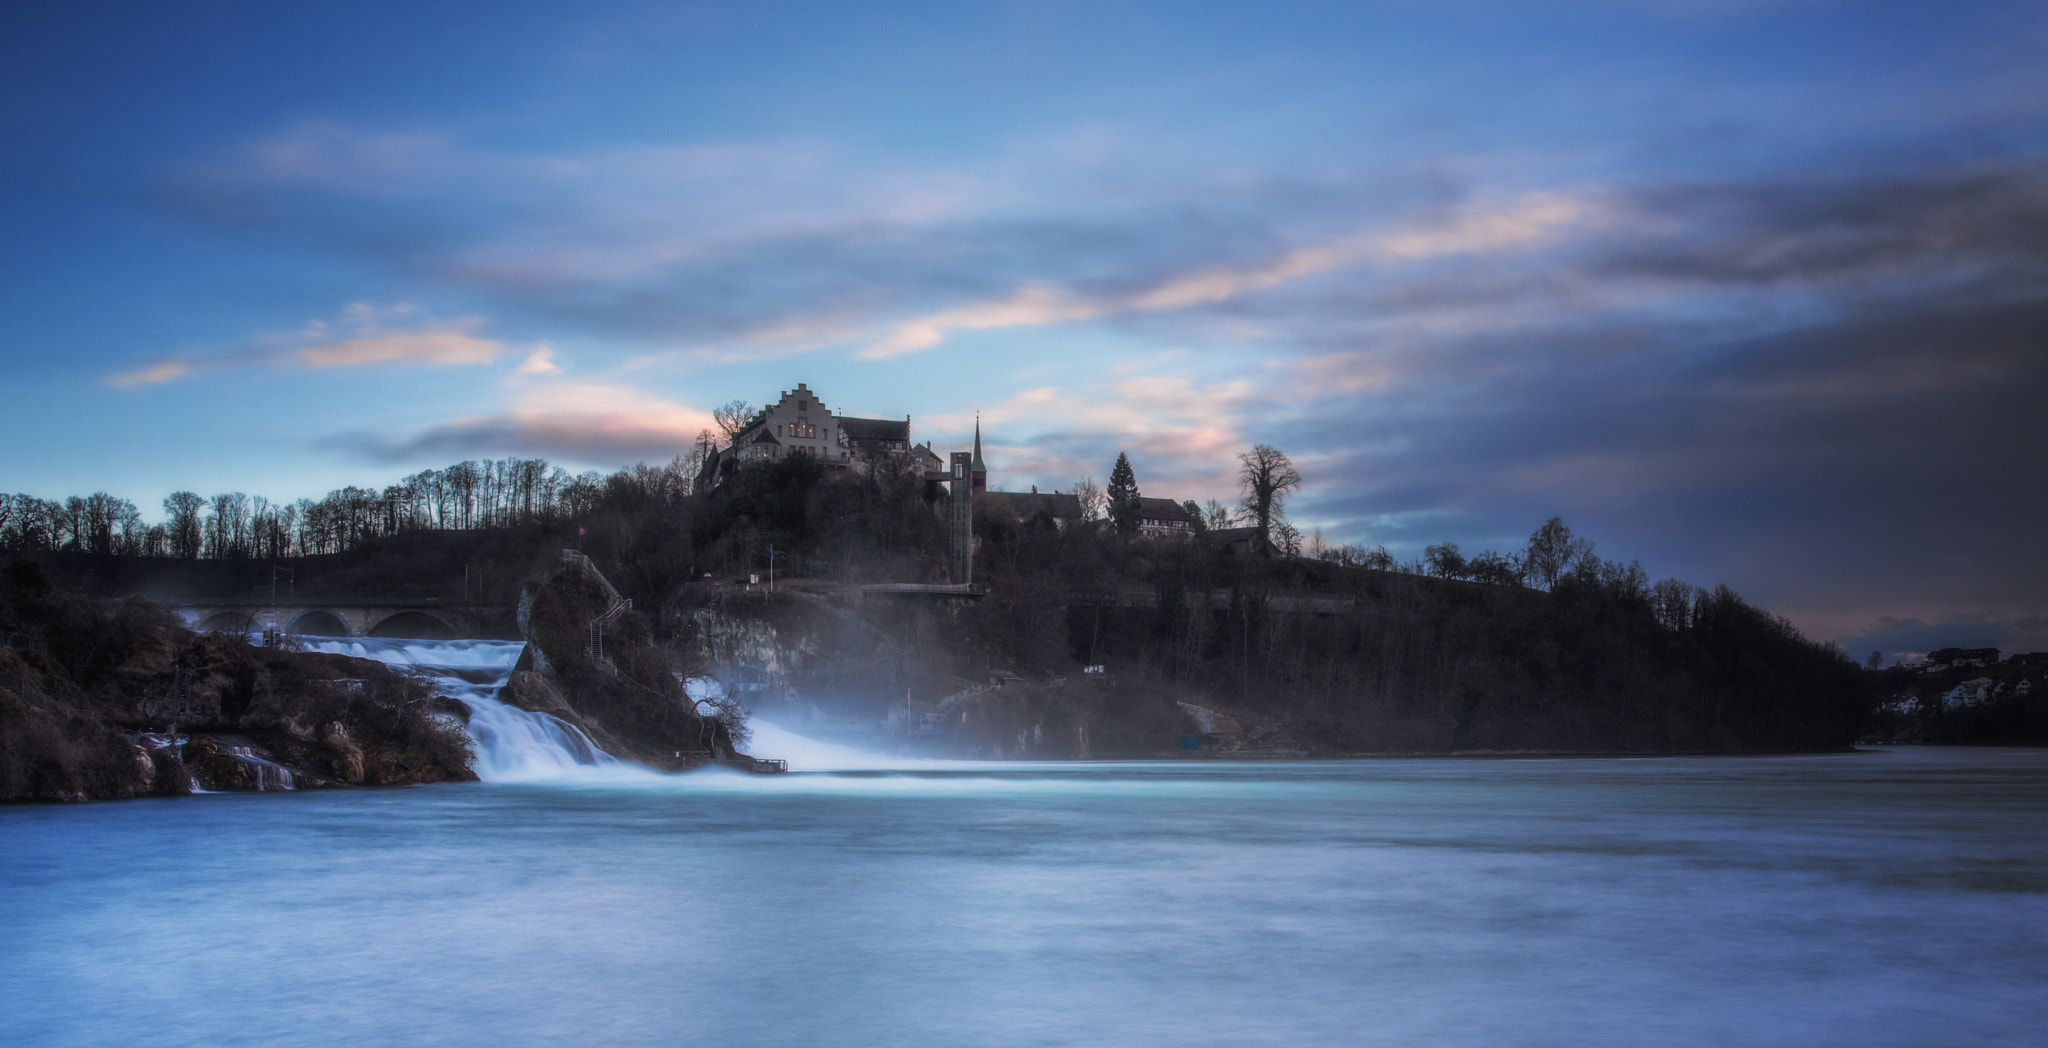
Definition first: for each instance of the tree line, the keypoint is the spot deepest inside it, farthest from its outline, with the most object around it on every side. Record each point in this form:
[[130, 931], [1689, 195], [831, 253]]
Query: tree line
[[466, 496], [1266, 477], [732, 529]]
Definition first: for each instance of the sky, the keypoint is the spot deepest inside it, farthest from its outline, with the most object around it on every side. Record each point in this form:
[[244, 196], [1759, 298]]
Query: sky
[[1753, 292]]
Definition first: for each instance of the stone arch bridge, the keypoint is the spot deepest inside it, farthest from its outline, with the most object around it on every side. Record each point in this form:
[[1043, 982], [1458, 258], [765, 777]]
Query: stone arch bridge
[[421, 617]]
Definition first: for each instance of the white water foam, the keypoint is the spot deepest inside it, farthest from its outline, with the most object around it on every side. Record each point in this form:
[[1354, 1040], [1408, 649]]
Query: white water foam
[[808, 754], [512, 745]]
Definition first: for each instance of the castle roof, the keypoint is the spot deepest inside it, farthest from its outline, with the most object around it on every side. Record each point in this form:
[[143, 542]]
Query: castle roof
[[874, 428]]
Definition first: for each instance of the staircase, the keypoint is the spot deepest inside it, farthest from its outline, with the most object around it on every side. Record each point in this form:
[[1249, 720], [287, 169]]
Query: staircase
[[618, 606]]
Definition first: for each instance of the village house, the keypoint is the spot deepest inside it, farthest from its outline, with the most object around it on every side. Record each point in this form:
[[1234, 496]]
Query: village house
[[1164, 519], [1974, 692], [1960, 658]]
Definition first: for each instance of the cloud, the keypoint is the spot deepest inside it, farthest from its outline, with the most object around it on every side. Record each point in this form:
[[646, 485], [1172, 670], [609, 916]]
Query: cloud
[[589, 423], [537, 363], [318, 346], [1525, 224], [718, 246], [151, 374], [444, 348]]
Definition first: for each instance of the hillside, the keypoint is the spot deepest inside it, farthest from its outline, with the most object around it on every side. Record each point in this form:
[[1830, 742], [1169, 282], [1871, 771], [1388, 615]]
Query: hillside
[[1554, 651]]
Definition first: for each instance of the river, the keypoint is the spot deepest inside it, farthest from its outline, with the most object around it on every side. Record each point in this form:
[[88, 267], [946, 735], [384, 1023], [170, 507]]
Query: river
[[1897, 897]]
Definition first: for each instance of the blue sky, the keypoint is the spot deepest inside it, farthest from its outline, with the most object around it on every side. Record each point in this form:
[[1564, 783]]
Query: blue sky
[[1755, 292]]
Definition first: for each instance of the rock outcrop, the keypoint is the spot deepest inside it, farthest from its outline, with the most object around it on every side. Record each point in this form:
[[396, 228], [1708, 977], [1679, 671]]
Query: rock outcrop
[[119, 700]]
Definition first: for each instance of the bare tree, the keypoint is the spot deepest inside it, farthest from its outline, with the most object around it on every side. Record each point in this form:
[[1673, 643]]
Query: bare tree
[[1092, 498], [1216, 516], [181, 510], [1671, 601], [701, 451], [1266, 475], [732, 416], [1554, 554], [1286, 539], [1445, 560]]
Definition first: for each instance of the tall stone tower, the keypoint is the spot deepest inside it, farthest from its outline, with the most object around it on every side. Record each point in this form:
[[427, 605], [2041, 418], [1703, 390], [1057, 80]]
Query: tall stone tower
[[960, 519]]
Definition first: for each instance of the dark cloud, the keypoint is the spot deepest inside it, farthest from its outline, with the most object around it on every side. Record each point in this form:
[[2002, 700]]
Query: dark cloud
[[1890, 458], [545, 246], [1927, 226]]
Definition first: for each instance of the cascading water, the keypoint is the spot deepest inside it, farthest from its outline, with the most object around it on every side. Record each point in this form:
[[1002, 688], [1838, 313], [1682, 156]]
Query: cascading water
[[511, 744]]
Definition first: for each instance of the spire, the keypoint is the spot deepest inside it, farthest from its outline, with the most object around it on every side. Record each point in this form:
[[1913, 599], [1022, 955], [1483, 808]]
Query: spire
[[979, 470]]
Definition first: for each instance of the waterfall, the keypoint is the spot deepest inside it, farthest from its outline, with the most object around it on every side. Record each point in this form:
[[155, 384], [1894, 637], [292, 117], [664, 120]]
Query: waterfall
[[512, 744]]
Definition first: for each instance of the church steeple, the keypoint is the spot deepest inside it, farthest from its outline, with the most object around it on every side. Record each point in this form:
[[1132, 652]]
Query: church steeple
[[980, 468]]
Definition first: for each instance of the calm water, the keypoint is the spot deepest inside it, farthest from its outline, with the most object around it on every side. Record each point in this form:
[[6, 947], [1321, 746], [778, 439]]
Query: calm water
[[1890, 898]]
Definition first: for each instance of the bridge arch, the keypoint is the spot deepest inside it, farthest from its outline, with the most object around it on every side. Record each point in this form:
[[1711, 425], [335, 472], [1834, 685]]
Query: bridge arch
[[318, 622], [228, 622], [413, 625]]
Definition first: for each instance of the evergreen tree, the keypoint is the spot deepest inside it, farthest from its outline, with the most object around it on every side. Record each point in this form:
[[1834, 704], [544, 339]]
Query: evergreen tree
[[1123, 495]]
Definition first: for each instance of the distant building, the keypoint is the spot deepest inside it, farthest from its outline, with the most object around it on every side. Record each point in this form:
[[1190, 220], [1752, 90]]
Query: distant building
[[2029, 658], [1237, 540], [1961, 658], [799, 423], [1059, 509], [1163, 519], [1974, 692]]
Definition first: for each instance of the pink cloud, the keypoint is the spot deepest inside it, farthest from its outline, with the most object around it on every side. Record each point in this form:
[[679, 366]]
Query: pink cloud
[[364, 341], [1526, 223]]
